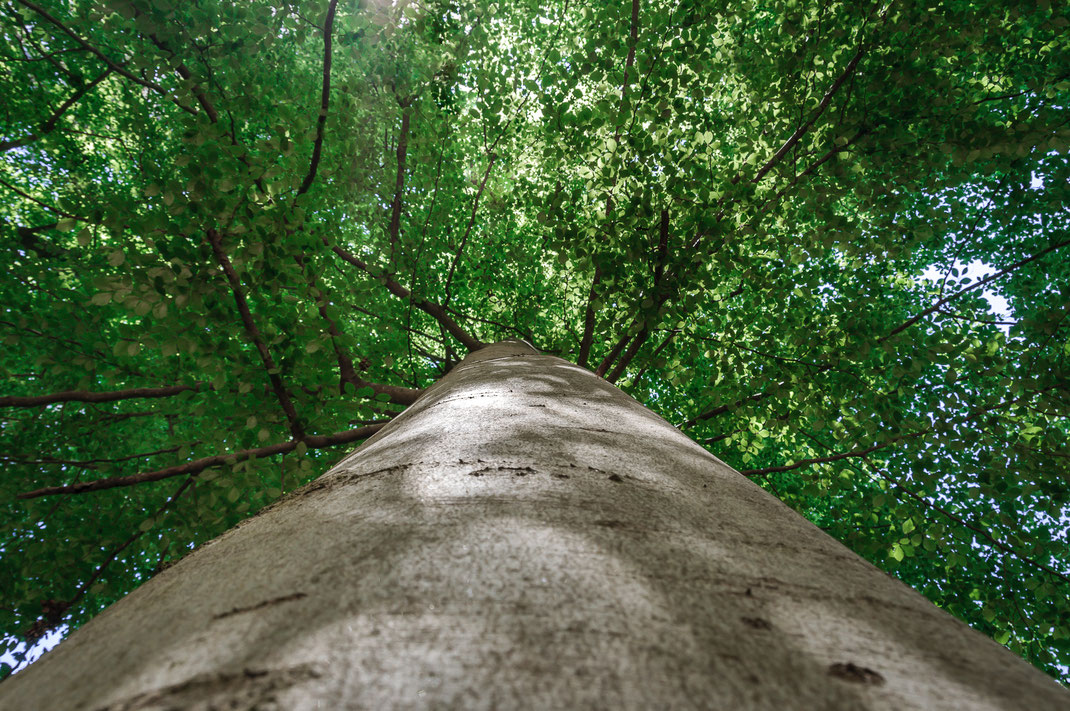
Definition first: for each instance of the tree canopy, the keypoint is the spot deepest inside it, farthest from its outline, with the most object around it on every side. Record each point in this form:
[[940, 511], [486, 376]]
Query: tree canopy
[[241, 235]]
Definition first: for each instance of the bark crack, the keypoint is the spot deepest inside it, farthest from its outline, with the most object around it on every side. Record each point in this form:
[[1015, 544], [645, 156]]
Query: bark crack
[[260, 605]]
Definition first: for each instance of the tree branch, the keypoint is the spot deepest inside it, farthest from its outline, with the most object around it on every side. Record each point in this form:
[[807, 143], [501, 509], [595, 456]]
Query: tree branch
[[633, 41], [184, 72], [636, 344], [56, 611], [325, 98], [720, 410], [432, 309], [661, 298], [52, 120], [399, 181], [832, 458], [991, 277], [87, 396], [92, 463], [468, 229], [588, 321], [117, 68], [801, 131], [942, 511], [600, 371], [296, 428], [656, 353], [199, 465], [590, 316], [346, 371]]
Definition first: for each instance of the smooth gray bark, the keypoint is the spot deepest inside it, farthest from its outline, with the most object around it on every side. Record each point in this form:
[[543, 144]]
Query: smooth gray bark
[[527, 536]]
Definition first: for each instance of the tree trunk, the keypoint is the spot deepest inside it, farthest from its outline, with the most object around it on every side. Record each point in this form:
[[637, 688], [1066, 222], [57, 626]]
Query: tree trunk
[[527, 535]]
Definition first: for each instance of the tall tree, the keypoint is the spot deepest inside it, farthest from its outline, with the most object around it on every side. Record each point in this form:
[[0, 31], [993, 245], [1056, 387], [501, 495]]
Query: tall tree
[[241, 236], [528, 536]]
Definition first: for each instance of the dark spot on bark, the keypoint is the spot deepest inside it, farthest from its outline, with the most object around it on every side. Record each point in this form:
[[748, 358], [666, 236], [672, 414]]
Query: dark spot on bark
[[536, 405], [854, 673], [478, 472], [558, 475], [616, 477], [610, 523], [757, 623], [260, 605], [748, 592]]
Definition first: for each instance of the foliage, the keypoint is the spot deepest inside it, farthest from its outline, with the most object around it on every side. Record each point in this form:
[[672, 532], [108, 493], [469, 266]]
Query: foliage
[[239, 234]]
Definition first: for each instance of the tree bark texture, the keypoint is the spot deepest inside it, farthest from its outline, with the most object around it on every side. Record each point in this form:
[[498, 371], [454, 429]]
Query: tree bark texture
[[527, 536]]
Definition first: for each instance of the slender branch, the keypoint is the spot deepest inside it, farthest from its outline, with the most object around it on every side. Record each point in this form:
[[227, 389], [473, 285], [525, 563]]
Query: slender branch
[[296, 429], [988, 322], [612, 355], [831, 458], [87, 396], [183, 71], [810, 170], [589, 316], [659, 273], [526, 335], [346, 371], [117, 68], [718, 438], [947, 514], [720, 410], [991, 277], [399, 181], [629, 354], [432, 309], [663, 247], [92, 463], [45, 205], [801, 131], [974, 414], [633, 41], [199, 465], [56, 613], [588, 321], [468, 229], [51, 121], [656, 353], [325, 98], [966, 524]]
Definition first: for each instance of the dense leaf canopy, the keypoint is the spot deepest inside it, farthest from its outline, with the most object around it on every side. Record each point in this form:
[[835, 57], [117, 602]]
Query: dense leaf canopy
[[238, 235]]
